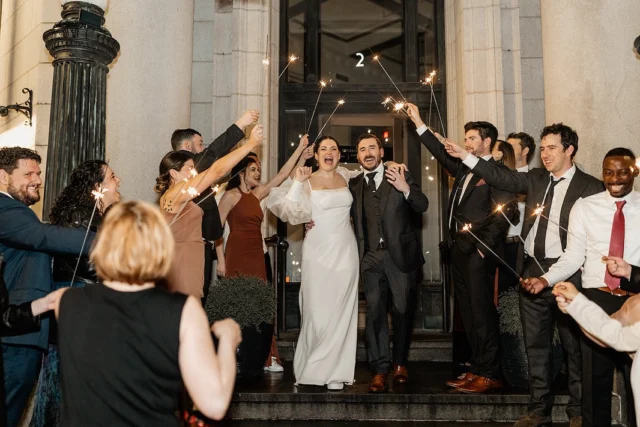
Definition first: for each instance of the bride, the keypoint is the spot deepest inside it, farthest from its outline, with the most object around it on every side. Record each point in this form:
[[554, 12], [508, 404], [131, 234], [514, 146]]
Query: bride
[[326, 350]]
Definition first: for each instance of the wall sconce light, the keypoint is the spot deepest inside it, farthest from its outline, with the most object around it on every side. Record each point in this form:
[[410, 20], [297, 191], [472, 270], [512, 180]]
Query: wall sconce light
[[24, 108]]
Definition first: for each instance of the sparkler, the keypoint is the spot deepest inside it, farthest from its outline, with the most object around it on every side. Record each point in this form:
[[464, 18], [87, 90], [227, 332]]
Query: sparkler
[[397, 106], [98, 195], [265, 68], [467, 229], [323, 84], [429, 81], [377, 59], [340, 102], [499, 208], [291, 59], [538, 212]]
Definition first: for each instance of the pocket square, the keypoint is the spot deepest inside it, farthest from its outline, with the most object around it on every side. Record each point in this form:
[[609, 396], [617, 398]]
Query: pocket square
[[481, 182]]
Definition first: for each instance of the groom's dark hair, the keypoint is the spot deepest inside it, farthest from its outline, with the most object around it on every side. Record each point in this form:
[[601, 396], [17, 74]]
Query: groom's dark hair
[[369, 136]]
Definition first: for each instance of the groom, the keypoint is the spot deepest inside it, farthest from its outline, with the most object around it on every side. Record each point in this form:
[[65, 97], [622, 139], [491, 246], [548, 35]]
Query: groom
[[390, 255]]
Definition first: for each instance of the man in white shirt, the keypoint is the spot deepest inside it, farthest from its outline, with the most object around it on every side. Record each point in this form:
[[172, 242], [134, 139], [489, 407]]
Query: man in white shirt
[[557, 186], [600, 225]]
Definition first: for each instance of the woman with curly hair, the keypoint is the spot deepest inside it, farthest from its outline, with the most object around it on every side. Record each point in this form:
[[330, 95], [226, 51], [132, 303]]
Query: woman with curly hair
[[72, 208]]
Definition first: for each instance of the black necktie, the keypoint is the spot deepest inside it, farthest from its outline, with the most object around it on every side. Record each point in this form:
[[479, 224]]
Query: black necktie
[[371, 184], [541, 233]]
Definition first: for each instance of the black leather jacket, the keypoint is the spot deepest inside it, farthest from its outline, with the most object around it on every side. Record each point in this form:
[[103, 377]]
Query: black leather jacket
[[16, 319], [64, 265]]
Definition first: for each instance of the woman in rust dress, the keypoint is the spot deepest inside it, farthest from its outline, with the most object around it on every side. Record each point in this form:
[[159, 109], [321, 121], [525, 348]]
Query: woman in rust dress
[[177, 184], [240, 207]]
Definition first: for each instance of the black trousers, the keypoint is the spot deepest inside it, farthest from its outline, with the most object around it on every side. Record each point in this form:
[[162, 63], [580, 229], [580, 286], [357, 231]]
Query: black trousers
[[473, 282], [506, 279], [598, 365], [208, 229], [539, 314], [381, 277]]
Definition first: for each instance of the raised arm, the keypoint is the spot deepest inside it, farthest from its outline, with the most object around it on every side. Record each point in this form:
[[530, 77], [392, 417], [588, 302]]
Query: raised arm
[[430, 141], [306, 155], [263, 190], [28, 233], [179, 194], [208, 376], [226, 141]]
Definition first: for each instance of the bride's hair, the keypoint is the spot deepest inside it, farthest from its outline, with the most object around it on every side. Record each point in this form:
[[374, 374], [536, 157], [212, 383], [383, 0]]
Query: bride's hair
[[315, 148]]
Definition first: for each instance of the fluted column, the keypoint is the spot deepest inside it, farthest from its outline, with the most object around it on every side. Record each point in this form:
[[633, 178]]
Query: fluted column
[[82, 50]]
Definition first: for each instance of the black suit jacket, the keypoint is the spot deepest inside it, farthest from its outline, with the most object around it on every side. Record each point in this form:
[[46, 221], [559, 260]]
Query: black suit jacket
[[397, 228], [534, 184], [15, 318], [478, 203], [220, 147], [27, 245], [633, 284]]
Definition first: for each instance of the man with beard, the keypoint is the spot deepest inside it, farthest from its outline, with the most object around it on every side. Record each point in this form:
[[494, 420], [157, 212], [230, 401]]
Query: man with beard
[[191, 140], [27, 244], [473, 202], [390, 255], [556, 188], [605, 223]]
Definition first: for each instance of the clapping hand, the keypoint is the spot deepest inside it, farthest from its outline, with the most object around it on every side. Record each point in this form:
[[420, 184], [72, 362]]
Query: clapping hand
[[249, 116], [534, 285], [303, 173], [397, 179]]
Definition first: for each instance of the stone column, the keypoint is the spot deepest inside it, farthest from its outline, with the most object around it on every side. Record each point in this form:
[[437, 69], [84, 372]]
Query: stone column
[[591, 74], [82, 50]]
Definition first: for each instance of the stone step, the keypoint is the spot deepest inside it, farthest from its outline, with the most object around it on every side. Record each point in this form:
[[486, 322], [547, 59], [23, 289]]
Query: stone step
[[424, 398], [255, 423], [424, 347]]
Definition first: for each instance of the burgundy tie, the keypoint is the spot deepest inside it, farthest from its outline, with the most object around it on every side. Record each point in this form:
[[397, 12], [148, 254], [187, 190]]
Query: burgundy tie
[[616, 248]]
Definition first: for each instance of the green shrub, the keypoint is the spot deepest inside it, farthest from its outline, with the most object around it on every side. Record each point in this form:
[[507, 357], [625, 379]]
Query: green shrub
[[248, 300], [509, 313]]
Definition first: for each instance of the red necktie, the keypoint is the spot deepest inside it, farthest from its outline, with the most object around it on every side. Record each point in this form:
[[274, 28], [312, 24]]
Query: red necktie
[[616, 248]]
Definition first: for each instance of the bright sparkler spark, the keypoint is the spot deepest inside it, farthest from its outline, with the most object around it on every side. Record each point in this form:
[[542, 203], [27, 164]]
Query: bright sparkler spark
[[386, 101], [538, 210], [265, 61], [99, 194], [341, 102], [215, 189], [433, 73], [399, 106], [375, 58], [466, 227], [323, 83], [193, 172], [192, 192], [292, 58], [499, 208]]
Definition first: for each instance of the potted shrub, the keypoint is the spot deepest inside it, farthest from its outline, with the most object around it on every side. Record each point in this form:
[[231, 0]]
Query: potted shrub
[[250, 301], [515, 368]]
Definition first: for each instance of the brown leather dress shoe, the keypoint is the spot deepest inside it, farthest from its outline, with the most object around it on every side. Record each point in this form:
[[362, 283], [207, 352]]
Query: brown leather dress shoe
[[463, 379], [576, 421], [400, 374], [481, 385], [378, 383]]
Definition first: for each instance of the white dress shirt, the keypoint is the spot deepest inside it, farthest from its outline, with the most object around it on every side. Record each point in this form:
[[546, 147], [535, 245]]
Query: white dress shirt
[[589, 237], [377, 179], [516, 230]]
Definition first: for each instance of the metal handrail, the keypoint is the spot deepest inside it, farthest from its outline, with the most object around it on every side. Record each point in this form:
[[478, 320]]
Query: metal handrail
[[280, 249]]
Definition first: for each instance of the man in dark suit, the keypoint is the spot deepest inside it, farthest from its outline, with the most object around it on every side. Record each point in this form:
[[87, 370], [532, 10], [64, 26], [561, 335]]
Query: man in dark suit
[[190, 140], [473, 202], [556, 187], [390, 255], [27, 245]]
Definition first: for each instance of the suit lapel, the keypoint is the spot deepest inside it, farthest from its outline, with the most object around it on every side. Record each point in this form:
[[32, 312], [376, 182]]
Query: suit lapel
[[467, 191], [357, 192], [575, 190]]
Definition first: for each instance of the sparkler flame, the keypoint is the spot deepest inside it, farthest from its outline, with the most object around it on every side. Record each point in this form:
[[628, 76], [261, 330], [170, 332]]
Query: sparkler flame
[[466, 227], [99, 194], [399, 106], [341, 102], [375, 58], [433, 73], [323, 83], [193, 172], [192, 191], [499, 208], [386, 101], [215, 189], [265, 61], [538, 210], [292, 58]]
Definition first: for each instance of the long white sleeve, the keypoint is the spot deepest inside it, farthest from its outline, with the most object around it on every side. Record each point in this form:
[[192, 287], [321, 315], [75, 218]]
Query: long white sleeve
[[290, 202], [598, 323]]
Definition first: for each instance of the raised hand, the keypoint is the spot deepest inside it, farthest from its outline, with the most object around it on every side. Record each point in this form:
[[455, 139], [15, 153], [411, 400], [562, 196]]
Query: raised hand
[[454, 150], [534, 285], [303, 173], [308, 152], [256, 134], [414, 114], [396, 166], [397, 179], [304, 141], [617, 266], [248, 117], [229, 329]]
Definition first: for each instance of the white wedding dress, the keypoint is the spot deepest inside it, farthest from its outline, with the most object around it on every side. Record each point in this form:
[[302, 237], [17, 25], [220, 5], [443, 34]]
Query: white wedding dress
[[326, 350]]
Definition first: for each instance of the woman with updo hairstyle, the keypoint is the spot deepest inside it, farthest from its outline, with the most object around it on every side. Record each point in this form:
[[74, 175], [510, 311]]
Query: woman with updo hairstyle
[[503, 153], [240, 207], [72, 208], [177, 185], [127, 346]]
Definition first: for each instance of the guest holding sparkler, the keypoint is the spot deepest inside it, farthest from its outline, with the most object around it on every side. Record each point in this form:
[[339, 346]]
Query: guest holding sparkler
[[555, 188], [471, 205], [73, 208], [240, 206], [177, 185], [191, 141], [123, 360], [602, 224], [627, 272], [27, 245]]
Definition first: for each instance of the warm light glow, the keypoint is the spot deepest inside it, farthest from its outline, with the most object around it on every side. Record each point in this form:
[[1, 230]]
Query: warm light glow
[[430, 178], [341, 102], [192, 191], [375, 58], [292, 58], [399, 106], [433, 73], [467, 227], [323, 83], [99, 194], [265, 61], [193, 172], [538, 210], [215, 189], [386, 101], [499, 208]]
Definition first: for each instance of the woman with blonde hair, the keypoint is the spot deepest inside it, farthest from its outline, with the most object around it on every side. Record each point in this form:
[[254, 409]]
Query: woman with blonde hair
[[127, 346]]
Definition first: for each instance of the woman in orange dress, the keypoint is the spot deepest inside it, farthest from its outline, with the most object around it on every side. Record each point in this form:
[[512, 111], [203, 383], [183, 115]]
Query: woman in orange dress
[[240, 207], [177, 184]]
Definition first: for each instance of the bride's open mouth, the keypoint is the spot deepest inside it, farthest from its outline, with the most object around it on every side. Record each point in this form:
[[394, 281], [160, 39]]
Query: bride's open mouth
[[328, 160]]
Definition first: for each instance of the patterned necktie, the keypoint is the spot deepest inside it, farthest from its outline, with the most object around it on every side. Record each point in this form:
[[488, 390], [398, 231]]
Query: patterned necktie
[[371, 184], [539, 247], [616, 247]]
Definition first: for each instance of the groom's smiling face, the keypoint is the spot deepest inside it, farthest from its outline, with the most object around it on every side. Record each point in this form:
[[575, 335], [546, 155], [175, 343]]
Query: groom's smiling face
[[370, 153]]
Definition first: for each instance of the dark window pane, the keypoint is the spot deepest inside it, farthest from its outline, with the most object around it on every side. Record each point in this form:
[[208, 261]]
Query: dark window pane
[[351, 30], [427, 40], [297, 15]]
